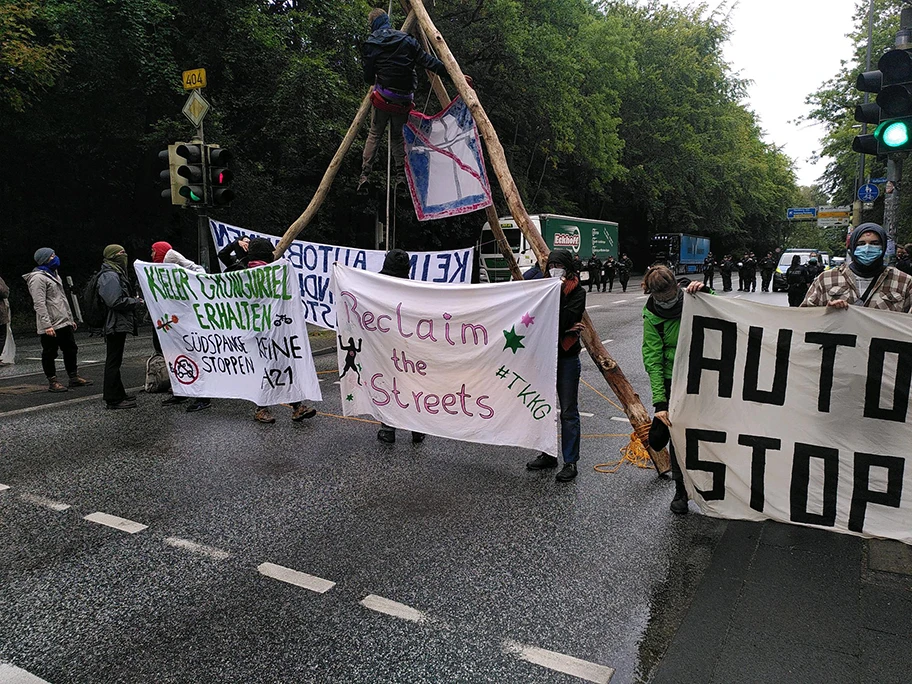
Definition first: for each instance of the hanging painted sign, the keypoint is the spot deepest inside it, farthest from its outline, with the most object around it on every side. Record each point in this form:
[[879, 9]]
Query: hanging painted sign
[[799, 415], [475, 363], [237, 335], [444, 163], [313, 262]]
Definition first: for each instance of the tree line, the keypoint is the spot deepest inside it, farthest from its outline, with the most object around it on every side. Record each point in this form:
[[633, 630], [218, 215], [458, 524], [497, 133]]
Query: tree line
[[607, 109]]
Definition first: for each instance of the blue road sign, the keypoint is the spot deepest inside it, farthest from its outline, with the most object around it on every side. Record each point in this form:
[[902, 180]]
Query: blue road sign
[[878, 181], [868, 192], [801, 213]]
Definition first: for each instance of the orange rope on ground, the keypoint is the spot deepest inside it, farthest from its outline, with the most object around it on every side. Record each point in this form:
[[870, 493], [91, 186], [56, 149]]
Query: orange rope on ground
[[634, 453]]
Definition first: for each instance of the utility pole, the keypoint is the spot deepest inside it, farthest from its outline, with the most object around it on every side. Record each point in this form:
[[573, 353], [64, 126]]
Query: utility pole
[[860, 180]]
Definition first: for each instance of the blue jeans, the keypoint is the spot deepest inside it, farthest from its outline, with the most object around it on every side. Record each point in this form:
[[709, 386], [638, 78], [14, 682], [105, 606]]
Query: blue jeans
[[568, 378]]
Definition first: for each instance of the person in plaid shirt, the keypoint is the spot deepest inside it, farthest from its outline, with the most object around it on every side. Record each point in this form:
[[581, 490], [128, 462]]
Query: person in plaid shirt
[[866, 281]]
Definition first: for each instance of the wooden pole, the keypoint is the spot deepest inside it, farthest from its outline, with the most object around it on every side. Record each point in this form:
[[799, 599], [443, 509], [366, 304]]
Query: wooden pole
[[633, 406], [330, 175]]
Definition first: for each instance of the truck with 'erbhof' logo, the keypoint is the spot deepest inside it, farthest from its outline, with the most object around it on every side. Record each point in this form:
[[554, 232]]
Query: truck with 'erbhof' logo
[[579, 236]]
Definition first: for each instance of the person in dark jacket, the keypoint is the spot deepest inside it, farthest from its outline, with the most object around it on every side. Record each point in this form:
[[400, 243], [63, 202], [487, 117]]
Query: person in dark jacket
[[904, 258], [397, 264], [609, 272], [572, 307], [709, 269], [767, 266], [815, 265], [234, 254], [4, 315], [624, 266], [390, 58], [594, 266], [117, 294], [54, 320], [726, 268], [534, 273], [750, 273], [798, 279]]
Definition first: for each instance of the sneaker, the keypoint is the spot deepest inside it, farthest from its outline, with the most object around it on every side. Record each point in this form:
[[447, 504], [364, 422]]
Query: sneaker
[[199, 405], [173, 401], [679, 503], [567, 473], [262, 415], [76, 381], [386, 436], [54, 386], [418, 437], [543, 462], [121, 405], [303, 411]]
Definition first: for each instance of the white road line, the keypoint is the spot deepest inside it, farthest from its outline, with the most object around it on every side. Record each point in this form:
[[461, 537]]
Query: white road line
[[43, 501], [595, 306], [583, 669], [67, 402], [10, 674], [397, 610], [194, 547], [607, 341], [117, 523], [620, 419], [3, 486], [337, 382], [643, 297], [736, 296], [586, 415], [300, 579]]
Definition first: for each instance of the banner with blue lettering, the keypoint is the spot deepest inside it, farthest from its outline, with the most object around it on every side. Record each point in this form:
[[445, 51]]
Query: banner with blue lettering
[[800, 415], [313, 262]]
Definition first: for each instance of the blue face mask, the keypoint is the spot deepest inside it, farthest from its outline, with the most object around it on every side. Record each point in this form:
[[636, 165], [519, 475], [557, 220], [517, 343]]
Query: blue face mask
[[54, 263], [868, 254]]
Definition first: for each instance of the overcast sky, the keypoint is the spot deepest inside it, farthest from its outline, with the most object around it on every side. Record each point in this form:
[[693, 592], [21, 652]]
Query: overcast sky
[[771, 37]]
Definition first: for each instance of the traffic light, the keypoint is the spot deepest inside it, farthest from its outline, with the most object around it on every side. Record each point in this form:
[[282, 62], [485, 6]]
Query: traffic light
[[220, 176], [192, 169], [892, 110], [170, 176]]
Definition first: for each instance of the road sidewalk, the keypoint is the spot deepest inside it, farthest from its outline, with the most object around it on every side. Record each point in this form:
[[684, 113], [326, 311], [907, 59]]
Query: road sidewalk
[[784, 603]]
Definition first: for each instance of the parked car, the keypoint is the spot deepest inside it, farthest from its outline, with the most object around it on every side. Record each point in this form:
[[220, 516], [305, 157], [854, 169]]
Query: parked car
[[779, 282]]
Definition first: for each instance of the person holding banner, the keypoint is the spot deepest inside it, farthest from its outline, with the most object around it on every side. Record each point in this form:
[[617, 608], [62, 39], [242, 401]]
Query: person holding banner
[[661, 323], [234, 254], [866, 281], [261, 252], [397, 264], [115, 291], [572, 307]]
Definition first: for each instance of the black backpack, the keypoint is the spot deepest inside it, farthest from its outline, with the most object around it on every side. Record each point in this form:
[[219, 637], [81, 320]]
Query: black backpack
[[94, 311]]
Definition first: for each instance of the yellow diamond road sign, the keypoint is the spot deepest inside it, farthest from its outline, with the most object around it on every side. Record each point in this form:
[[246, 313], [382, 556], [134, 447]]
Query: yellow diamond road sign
[[196, 108]]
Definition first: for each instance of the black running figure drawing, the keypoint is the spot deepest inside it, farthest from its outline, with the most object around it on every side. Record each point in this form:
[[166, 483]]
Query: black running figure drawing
[[350, 357]]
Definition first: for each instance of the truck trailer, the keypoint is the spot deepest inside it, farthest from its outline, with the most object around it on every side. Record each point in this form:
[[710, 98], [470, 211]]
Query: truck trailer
[[682, 253], [580, 236]]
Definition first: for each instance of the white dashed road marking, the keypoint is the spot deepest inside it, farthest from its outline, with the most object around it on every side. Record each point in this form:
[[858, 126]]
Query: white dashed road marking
[[607, 341], [43, 501], [117, 523], [387, 607], [194, 547], [620, 419], [300, 579], [67, 402], [591, 672], [10, 674], [2, 487], [595, 306]]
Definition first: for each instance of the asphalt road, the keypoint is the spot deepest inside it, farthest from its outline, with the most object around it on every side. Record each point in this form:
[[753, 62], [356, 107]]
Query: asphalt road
[[309, 552]]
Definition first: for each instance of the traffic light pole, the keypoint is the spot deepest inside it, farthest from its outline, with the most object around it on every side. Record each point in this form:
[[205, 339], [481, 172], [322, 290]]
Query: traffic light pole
[[891, 202], [202, 220]]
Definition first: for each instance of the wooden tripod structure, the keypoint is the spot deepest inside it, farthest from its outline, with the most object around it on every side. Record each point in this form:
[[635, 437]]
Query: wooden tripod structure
[[630, 401]]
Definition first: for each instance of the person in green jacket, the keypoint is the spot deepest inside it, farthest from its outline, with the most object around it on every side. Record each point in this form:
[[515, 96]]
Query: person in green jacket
[[661, 324]]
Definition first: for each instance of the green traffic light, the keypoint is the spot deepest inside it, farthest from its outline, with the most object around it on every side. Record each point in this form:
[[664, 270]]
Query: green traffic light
[[896, 134], [188, 191]]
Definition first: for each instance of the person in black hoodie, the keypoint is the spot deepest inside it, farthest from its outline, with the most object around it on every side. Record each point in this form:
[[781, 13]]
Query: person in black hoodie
[[572, 307], [798, 279], [390, 58], [397, 264]]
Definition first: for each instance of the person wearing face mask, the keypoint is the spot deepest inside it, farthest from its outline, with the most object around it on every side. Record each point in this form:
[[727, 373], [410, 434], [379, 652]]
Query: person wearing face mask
[[116, 292], [661, 323], [572, 307], [815, 265], [866, 281], [55, 321]]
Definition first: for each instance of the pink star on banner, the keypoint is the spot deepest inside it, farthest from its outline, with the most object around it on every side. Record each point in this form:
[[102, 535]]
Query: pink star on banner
[[527, 320]]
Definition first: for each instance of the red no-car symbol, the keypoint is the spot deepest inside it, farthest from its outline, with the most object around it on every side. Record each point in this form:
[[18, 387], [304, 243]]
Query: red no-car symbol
[[185, 370]]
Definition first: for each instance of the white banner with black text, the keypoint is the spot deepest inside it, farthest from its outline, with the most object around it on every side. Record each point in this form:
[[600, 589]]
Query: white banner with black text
[[313, 262], [237, 335], [471, 362], [800, 415]]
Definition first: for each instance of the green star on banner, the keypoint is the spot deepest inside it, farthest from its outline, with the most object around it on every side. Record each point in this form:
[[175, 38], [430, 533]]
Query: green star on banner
[[514, 341], [350, 397]]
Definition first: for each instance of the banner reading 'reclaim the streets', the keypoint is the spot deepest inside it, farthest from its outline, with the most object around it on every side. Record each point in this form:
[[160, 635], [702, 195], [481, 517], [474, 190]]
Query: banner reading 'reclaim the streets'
[[313, 262], [238, 335], [799, 415], [475, 363]]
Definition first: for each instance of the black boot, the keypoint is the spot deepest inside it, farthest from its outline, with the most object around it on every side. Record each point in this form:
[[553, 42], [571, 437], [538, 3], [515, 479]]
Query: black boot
[[679, 502], [567, 473], [543, 462]]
